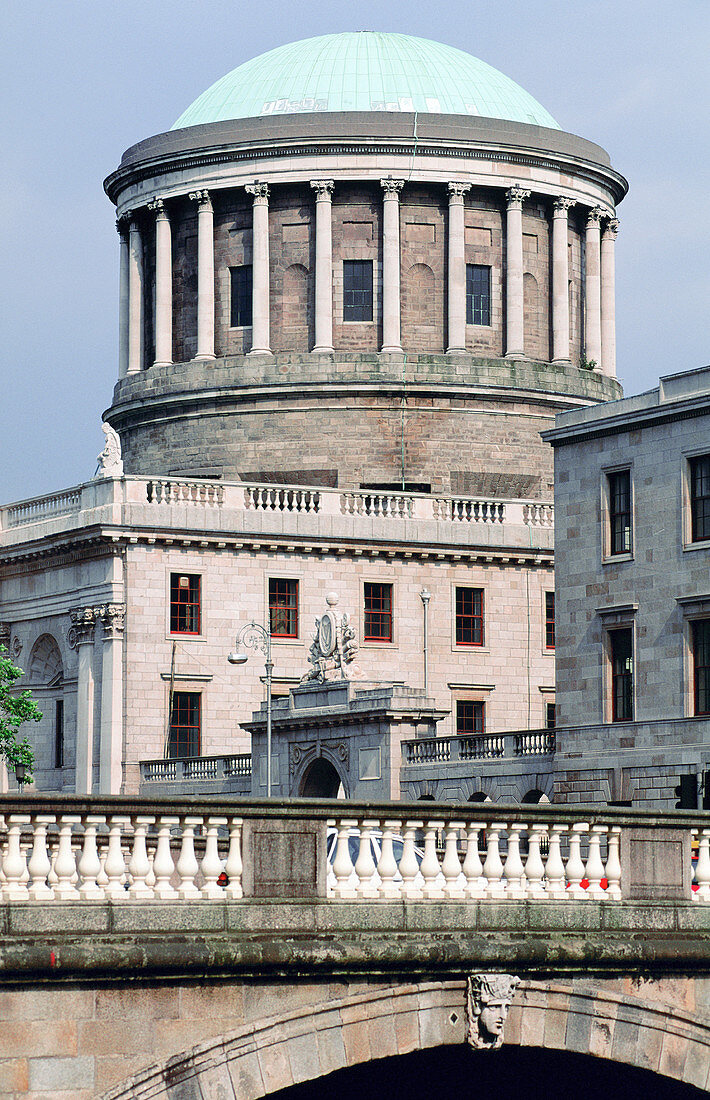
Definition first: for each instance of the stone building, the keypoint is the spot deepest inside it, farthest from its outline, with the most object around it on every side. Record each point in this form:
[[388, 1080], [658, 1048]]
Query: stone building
[[357, 278]]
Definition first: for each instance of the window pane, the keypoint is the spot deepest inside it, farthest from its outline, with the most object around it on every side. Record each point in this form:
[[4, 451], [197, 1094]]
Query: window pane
[[184, 603], [469, 616], [283, 608], [184, 725], [622, 671], [478, 294], [549, 620], [470, 716], [700, 497], [378, 612], [701, 666], [357, 290], [620, 512], [241, 296]]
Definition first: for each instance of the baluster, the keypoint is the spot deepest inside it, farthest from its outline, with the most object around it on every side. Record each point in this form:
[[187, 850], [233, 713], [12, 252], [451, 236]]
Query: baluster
[[233, 866], [187, 867], [451, 865], [65, 861], [534, 867], [14, 864], [575, 867], [211, 865], [163, 865], [89, 862], [472, 866], [408, 865], [140, 864], [115, 864], [595, 867], [365, 864], [555, 868], [387, 866], [342, 864], [430, 864], [493, 867], [39, 864], [514, 871], [702, 868], [613, 865]]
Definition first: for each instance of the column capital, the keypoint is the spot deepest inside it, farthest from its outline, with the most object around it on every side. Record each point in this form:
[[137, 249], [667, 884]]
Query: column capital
[[158, 205], [391, 187], [260, 191], [122, 225], [562, 205], [515, 197], [112, 617], [323, 188], [611, 229], [83, 621], [200, 197], [457, 190], [595, 216], [5, 630]]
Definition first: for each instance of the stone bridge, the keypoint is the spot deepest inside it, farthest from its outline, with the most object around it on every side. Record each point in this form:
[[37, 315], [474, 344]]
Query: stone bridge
[[196, 949]]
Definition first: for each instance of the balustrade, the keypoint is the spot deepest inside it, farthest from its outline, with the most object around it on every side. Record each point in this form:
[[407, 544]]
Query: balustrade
[[171, 491], [267, 498], [483, 746]]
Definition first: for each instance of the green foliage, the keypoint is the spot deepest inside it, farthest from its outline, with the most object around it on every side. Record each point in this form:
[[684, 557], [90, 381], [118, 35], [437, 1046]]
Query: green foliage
[[587, 364], [15, 709]]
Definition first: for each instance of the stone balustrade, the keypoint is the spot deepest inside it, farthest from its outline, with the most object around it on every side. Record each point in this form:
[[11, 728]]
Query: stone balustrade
[[481, 746], [69, 849], [196, 767]]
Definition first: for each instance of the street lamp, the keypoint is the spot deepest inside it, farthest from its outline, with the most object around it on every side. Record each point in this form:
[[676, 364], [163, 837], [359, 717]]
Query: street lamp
[[20, 772], [254, 636]]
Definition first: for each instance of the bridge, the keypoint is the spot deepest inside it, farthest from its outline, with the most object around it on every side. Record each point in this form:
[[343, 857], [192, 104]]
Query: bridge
[[192, 948]]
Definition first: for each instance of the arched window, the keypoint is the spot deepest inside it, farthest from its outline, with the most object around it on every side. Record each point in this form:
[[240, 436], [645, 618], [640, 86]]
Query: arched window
[[45, 673]]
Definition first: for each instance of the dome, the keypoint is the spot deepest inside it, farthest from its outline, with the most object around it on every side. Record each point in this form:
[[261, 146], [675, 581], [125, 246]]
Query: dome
[[365, 71]]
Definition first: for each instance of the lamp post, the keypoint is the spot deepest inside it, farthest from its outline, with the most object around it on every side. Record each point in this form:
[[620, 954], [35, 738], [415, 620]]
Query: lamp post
[[20, 773], [254, 636], [425, 596]]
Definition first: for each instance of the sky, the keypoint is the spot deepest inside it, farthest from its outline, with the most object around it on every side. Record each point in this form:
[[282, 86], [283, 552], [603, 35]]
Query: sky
[[81, 80]]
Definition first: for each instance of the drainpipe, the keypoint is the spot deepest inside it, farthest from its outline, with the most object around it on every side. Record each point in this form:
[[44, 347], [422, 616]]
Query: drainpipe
[[425, 596]]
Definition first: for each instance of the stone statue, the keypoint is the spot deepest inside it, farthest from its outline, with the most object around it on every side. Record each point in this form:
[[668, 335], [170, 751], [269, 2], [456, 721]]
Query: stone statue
[[488, 999], [109, 460], [334, 646]]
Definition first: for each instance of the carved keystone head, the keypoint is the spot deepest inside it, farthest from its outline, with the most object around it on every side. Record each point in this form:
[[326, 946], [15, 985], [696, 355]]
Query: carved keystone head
[[488, 1002]]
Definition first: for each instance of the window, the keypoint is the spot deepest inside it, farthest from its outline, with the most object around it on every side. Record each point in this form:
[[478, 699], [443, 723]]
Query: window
[[378, 612], [241, 296], [357, 290], [470, 716], [184, 603], [701, 666], [550, 716], [469, 616], [478, 294], [184, 725], [622, 676], [620, 512], [59, 733], [700, 498], [283, 608], [549, 620]]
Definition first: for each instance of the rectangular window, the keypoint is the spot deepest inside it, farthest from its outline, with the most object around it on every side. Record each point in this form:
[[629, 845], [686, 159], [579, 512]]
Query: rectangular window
[[241, 296], [478, 294], [549, 620], [184, 725], [701, 666], [184, 603], [470, 716], [469, 616], [357, 290], [378, 612], [620, 512], [622, 676], [550, 715], [700, 497], [59, 733], [283, 608]]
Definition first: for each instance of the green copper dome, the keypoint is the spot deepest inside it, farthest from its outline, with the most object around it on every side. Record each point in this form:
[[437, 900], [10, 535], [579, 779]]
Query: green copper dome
[[365, 71]]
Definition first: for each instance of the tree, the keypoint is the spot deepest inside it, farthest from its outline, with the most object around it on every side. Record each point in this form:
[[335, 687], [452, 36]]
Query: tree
[[15, 709]]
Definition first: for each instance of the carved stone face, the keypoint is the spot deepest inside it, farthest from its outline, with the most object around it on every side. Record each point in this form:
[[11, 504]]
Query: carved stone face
[[493, 1016]]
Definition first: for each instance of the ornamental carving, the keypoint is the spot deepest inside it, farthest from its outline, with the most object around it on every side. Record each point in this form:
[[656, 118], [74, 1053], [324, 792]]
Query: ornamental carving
[[159, 206], [260, 191], [323, 188], [201, 197], [488, 1000], [458, 190], [515, 197], [334, 646], [112, 618], [110, 462], [83, 620], [15, 648], [303, 754], [5, 630], [611, 228], [562, 204], [391, 187], [594, 217]]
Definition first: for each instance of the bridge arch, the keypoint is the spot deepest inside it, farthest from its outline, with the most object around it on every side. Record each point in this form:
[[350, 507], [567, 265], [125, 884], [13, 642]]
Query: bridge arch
[[650, 1025]]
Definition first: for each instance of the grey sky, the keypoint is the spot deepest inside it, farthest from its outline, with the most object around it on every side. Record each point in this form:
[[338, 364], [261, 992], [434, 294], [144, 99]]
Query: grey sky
[[83, 79]]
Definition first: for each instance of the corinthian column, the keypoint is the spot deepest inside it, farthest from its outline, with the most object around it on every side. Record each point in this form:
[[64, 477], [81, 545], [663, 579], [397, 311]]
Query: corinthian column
[[205, 275], [514, 304], [457, 269], [111, 731], [83, 621], [608, 296], [135, 299], [592, 291], [163, 286], [560, 280], [324, 265], [391, 338], [260, 338], [123, 269]]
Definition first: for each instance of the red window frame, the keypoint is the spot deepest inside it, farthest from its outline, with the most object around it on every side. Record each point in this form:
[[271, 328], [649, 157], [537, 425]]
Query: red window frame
[[185, 725], [283, 607], [378, 612], [185, 603], [469, 617], [549, 620], [470, 717]]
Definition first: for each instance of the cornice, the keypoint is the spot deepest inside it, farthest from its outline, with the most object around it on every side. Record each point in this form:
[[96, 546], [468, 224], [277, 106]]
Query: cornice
[[628, 421]]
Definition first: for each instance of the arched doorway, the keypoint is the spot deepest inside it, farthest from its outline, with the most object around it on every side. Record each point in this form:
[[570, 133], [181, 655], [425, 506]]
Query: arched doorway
[[321, 780]]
